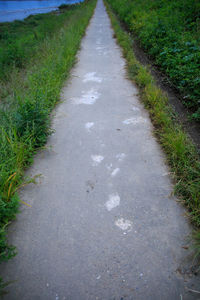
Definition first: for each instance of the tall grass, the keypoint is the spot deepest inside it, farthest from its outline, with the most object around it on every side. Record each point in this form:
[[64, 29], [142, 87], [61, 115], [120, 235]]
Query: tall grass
[[32, 75], [181, 153]]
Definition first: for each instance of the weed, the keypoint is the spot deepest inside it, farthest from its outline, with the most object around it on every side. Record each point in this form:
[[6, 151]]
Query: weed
[[196, 238]]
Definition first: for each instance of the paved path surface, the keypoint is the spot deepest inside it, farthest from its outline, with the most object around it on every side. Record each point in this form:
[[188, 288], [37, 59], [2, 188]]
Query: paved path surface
[[102, 224]]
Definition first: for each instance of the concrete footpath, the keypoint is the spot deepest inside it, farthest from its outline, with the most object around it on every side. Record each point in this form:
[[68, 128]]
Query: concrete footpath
[[103, 224]]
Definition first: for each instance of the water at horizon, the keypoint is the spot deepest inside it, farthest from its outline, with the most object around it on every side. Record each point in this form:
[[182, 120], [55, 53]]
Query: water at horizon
[[18, 10]]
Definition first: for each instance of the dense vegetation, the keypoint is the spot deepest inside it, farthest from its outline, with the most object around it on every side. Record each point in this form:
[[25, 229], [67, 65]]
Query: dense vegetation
[[170, 32], [180, 152], [36, 56]]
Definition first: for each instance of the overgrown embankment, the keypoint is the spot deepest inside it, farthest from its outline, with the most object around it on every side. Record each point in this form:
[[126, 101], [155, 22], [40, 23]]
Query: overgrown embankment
[[170, 33], [181, 153], [36, 56]]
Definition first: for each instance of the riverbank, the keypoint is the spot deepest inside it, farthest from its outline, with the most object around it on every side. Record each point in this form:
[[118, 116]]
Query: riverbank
[[20, 41], [21, 9], [36, 57]]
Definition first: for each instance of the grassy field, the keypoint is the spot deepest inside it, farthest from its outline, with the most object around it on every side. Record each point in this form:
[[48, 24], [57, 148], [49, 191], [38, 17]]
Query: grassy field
[[36, 56], [169, 31], [181, 153]]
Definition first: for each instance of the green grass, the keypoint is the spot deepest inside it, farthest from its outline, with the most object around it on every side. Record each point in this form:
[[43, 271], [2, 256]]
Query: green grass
[[19, 40], [169, 31], [181, 154], [36, 56]]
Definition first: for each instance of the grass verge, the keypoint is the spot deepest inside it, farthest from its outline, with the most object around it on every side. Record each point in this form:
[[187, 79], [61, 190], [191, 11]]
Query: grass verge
[[181, 154], [40, 53]]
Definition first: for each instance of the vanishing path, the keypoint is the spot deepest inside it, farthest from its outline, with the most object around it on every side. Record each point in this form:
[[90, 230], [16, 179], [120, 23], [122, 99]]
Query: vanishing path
[[103, 224]]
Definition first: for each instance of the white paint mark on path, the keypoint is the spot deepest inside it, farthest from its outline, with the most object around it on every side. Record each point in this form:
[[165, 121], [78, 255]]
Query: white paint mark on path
[[87, 98], [120, 156], [97, 159], [124, 224], [114, 201], [134, 120], [166, 174], [134, 108], [89, 125], [100, 48], [115, 172], [107, 52], [91, 76]]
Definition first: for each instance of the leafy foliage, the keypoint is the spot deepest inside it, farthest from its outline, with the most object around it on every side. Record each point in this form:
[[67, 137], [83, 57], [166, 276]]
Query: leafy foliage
[[170, 32]]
